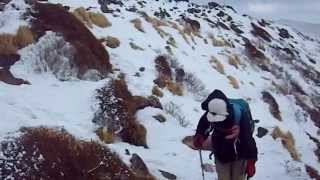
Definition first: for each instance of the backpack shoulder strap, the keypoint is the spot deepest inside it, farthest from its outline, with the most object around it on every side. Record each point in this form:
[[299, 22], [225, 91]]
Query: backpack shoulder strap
[[238, 106], [237, 113]]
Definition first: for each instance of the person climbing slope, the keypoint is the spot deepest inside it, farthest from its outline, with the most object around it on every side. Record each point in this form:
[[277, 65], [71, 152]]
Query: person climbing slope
[[233, 145]]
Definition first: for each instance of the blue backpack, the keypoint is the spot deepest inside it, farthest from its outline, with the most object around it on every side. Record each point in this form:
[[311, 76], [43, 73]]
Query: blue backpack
[[241, 108]]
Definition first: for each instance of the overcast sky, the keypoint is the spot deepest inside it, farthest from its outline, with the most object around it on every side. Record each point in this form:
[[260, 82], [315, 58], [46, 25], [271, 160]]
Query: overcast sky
[[301, 10]]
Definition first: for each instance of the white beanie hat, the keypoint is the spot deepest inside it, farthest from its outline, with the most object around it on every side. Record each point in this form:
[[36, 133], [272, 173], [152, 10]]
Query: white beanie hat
[[217, 110]]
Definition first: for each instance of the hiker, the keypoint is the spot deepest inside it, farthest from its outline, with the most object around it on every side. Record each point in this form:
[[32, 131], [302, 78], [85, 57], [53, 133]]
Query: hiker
[[233, 145]]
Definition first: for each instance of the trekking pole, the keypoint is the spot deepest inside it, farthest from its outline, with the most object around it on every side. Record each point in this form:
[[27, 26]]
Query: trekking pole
[[201, 161]]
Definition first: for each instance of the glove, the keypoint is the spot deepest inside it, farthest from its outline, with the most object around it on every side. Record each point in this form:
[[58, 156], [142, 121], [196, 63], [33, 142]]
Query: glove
[[251, 168], [198, 140], [233, 132]]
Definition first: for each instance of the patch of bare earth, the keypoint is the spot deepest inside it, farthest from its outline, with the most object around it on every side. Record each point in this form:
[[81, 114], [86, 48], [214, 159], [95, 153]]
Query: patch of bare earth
[[90, 53]]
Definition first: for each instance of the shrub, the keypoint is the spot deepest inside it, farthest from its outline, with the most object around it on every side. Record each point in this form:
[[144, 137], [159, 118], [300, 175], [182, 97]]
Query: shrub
[[175, 111], [24, 37], [99, 19], [42, 153], [313, 173], [216, 64], [7, 44], [233, 82], [156, 91], [105, 135], [234, 61], [135, 47], [175, 88], [117, 109], [195, 86], [112, 42], [138, 24], [287, 141]]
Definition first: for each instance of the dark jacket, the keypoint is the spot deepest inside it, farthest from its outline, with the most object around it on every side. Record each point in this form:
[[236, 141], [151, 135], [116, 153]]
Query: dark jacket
[[228, 150]]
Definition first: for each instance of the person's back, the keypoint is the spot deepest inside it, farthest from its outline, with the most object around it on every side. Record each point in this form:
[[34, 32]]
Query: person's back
[[233, 146]]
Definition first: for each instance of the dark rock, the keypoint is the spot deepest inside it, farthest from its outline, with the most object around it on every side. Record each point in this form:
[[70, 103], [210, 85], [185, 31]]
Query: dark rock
[[262, 132], [160, 118], [142, 69], [258, 31], [224, 26], [193, 10], [284, 33], [128, 152], [7, 60], [221, 14], [181, 0], [289, 52], [162, 13], [209, 21], [213, 5], [229, 18], [107, 2], [7, 77], [168, 175], [230, 7], [236, 29], [263, 23], [312, 60], [138, 165], [137, 74], [105, 9], [132, 9]]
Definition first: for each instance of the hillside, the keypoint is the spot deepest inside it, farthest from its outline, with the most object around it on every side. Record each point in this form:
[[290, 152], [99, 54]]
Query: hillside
[[109, 89]]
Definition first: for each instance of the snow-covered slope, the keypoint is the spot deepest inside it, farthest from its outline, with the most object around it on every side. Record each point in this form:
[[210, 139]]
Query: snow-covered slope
[[309, 28], [260, 56]]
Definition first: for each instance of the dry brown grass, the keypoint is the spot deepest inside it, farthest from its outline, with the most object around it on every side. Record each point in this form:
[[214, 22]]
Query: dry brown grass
[[112, 42], [273, 105], [55, 154], [82, 15], [105, 135], [161, 32], [157, 92], [99, 19], [175, 88], [138, 24], [24, 37], [7, 44], [216, 64], [233, 82], [135, 46], [218, 41], [234, 61], [287, 141], [90, 18]]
